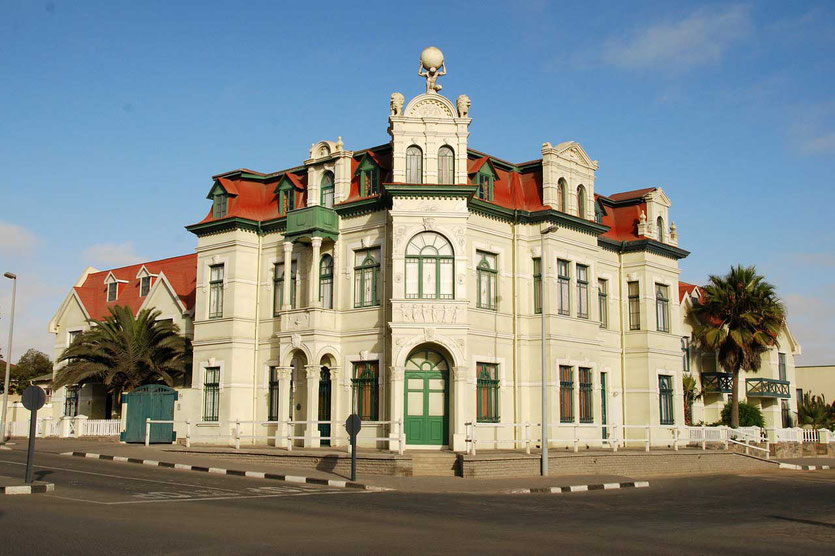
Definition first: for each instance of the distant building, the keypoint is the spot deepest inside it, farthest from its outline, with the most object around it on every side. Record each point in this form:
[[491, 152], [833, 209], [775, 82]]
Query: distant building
[[816, 380]]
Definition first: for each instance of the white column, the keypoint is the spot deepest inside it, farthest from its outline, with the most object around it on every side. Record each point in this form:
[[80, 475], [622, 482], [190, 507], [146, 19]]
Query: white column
[[464, 389], [336, 418], [313, 279], [311, 435], [285, 412], [396, 405], [288, 280]]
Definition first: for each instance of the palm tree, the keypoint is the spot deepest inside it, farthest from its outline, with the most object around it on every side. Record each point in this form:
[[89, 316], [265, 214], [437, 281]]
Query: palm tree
[[691, 394], [739, 317], [814, 411], [125, 352]]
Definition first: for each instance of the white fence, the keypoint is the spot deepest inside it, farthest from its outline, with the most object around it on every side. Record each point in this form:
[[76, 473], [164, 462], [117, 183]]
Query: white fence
[[68, 427], [101, 427]]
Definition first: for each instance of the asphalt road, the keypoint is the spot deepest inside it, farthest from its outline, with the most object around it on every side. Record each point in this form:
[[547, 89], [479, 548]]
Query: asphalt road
[[104, 507]]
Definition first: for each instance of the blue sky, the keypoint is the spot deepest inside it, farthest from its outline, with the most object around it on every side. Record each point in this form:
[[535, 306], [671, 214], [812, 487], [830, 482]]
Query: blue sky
[[114, 115]]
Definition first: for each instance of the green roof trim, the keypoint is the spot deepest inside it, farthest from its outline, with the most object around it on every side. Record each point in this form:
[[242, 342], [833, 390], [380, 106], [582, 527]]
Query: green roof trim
[[361, 206], [428, 190], [224, 225], [648, 245], [551, 216]]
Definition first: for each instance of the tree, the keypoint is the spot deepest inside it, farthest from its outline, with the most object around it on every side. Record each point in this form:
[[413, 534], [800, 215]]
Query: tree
[[32, 364], [814, 411], [691, 394], [124, 351], [739, 316], [749, 415]]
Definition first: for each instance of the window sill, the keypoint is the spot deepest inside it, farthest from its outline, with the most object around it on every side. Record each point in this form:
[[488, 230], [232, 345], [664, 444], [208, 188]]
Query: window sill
[[208, 424]]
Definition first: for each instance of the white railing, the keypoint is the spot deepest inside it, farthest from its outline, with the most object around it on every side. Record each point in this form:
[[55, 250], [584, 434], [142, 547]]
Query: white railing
[[148, 423], [101, 427], [46, 426], [472, 435], [749, 446], [797, 434]]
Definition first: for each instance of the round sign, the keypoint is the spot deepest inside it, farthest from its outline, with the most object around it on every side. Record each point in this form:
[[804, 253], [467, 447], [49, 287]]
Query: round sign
[[33, 398], [353, 424]]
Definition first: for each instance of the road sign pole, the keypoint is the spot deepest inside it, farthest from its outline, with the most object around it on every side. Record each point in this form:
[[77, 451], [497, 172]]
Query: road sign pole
[[30, 453], [353, 426], [353, 457]]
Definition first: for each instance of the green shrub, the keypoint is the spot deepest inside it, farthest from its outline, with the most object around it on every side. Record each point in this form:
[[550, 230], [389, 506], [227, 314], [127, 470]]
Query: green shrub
[[749, 415]]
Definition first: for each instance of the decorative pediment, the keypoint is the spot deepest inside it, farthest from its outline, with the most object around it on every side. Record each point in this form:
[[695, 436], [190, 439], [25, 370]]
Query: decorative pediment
[[657, 195], [112, 278], [289, 181], [143, 272], [324, 149], [221, 188], [430, 106], [573, 151]]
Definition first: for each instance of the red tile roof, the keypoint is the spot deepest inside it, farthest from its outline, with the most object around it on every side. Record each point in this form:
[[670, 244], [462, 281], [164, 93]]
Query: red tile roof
[[181, 273], [685, 289], [628, 195]]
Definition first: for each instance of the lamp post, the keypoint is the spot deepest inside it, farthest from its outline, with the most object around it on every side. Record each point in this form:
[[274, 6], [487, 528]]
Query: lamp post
[[542, 273], [13, 278]]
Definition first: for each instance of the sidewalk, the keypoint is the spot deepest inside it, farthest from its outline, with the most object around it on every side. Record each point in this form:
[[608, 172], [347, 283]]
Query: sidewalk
[[178, 455]]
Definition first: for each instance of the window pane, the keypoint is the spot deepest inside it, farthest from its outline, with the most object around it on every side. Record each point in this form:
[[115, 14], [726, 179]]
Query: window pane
[[446, 165], [447, 279], [412, 278], [430, 278]]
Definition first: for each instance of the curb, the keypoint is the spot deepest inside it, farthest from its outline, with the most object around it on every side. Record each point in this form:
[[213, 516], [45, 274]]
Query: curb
[[579, 488], [234, 472], [39, 488], [803, 467]]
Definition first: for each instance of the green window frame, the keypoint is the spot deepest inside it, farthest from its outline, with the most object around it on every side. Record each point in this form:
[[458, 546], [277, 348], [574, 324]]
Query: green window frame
[[365, 385], [537, 286], [662, 307], [603, 301], [566, 394], [369, 177], [430, 267], [685, 354], [278, 286], [326, 281], [582, 291], [414, 164], [665, 400], [446, 165], [144, 286], [487, 392], [274, 393], [562, 193], [286, 197], [486, 277], [781, 366], [634, 294], [586, 396], [112, 291], [485, 187], [581, 201], [211, 394], [564, 283], [366, 277], [216, 272], [220, 205], [326, 195], [71, 394]]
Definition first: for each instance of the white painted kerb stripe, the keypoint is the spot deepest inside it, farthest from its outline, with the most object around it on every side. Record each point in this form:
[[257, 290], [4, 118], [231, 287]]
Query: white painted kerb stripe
[[122, 459], [18, 490], [641, 484], [182, 466], [578, 488], [607, 486], [294, 479], [217, 470], [256, 474], [92, 456]]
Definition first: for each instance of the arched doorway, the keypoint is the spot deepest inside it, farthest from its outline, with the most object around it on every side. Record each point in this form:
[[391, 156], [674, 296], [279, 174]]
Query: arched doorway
[[427, 398], [324, 401]]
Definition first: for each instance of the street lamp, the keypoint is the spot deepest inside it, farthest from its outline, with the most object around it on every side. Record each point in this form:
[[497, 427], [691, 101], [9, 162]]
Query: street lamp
[[542, 273], [13, 278]]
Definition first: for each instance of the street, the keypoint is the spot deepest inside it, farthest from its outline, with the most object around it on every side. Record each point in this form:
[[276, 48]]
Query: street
[[100, 507]]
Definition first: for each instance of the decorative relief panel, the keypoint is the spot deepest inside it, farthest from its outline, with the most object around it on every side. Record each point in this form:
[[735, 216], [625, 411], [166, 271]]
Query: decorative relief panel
[[425, 314], [431, 108]]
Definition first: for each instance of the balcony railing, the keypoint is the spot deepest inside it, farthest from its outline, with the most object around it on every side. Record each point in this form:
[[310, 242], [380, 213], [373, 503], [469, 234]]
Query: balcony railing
[[717, 383], [767, 388], [312, 221]]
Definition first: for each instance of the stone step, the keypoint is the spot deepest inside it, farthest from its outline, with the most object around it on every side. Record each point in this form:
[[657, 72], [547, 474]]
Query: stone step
[[434, 464]]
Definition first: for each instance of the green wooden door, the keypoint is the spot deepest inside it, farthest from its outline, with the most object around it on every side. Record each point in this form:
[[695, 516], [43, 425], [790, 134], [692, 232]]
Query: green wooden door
[[427, 399], [155, 402]]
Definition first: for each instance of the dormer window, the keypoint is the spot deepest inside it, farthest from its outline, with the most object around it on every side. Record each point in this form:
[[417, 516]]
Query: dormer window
[[581, 201], [220, 205], [144, 286], [286, 196], [446, 165], [485, 178], [112, 292], [660, 224], [369, 177], [414, 165]]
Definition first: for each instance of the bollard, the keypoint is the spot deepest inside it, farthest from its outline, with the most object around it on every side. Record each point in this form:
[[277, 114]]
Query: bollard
[[576, 440], [402, 435], [675, 439], [147, 431], [527, 438], [649, 438], [188, 433], [237, 434], [704, 438], [613, 440]]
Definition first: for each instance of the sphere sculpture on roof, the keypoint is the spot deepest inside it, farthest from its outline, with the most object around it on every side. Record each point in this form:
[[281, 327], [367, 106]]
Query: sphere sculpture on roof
[[432, 66]]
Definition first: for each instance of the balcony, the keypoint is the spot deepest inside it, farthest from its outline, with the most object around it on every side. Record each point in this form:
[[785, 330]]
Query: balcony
[[314, 221], [767, 388], [717, 383]]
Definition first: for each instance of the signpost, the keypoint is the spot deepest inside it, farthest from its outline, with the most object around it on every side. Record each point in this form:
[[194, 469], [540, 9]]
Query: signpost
[[353, 425], [33, 399]]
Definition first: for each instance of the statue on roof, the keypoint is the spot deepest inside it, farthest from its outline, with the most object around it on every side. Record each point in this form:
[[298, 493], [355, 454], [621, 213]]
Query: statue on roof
[[432, 66]]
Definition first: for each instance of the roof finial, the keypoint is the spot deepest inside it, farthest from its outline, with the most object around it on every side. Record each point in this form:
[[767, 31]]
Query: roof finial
[[432, 66]]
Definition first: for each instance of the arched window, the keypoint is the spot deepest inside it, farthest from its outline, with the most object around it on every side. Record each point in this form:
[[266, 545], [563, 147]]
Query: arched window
[[562, 188], [326, 282], [446, 165], [581, 201], [661, 230], [430, 267], [327, 190], [414, 165]]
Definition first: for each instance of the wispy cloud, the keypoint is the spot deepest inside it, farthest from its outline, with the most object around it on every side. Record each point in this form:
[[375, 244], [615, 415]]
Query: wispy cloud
[[16, 240], [812, 320], [111, 254], [700, 38], [813, 130]]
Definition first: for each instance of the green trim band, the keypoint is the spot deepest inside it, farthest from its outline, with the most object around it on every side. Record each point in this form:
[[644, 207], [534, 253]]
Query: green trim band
[[648, 245], [426, 190], [224, 225]]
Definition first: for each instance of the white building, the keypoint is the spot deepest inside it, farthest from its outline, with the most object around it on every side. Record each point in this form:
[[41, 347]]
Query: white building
[[413, 292]]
